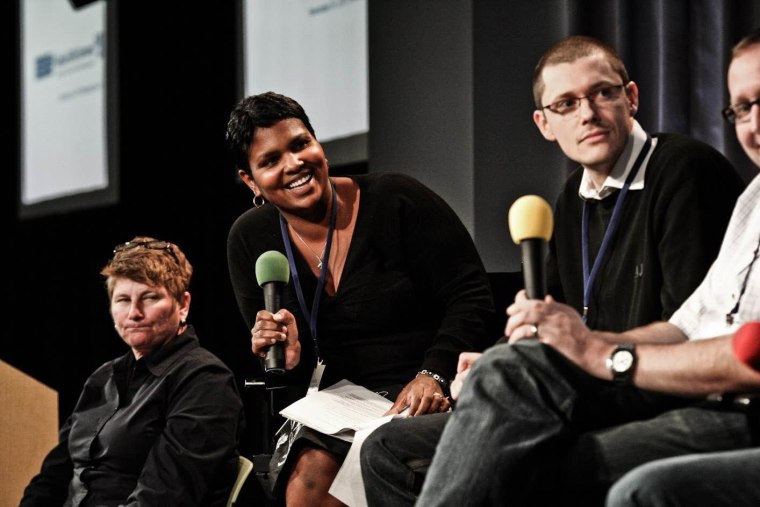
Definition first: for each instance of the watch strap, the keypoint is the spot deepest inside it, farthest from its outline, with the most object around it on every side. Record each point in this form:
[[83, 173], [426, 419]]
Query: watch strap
[[623, 377]]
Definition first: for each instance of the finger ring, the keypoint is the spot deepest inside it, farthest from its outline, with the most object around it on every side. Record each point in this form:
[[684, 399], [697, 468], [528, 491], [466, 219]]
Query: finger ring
[[437, 395], [534, 331]]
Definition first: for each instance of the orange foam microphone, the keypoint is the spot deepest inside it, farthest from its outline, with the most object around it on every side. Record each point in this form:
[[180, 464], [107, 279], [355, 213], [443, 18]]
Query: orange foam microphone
[[530, 224]]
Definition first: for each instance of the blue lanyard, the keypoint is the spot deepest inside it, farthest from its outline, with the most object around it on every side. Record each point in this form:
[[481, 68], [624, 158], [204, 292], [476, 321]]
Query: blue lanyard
[[311, 315], [589, 278]]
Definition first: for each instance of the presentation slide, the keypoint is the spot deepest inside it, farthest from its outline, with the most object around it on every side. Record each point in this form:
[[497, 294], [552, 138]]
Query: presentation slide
[[314, 51], [63, 131]]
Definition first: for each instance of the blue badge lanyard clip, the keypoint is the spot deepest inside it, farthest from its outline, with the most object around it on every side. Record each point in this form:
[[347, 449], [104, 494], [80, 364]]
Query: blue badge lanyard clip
[[311, 316]]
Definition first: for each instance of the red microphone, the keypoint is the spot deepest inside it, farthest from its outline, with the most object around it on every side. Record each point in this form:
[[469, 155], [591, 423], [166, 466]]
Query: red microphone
[[746, 344]]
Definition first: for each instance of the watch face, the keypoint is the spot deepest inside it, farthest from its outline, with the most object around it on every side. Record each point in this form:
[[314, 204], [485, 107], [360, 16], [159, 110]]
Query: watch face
[[622, 361]]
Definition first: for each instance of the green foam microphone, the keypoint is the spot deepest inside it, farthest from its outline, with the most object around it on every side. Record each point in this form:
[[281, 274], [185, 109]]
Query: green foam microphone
[[272, 274]]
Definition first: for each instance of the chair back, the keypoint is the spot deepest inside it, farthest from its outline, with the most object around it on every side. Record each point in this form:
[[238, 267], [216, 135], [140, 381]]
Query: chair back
[[245, 466]]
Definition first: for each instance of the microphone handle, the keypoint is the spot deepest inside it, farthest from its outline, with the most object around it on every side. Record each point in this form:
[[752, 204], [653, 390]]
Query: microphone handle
[[275, 358], [533, 258]]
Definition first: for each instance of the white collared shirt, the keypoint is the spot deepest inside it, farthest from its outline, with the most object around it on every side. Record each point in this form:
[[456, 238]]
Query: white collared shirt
[[703, 314], [616, 179]]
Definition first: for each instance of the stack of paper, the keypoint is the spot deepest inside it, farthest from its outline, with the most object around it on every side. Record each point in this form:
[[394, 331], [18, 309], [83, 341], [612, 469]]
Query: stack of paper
[[340, 410]]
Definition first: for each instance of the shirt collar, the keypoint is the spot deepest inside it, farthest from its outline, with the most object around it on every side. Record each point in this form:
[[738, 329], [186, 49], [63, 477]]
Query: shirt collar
[[160, 360], [616, 179]]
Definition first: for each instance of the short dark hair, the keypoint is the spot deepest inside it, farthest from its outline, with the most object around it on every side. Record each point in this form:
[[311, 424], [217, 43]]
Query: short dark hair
[[749, 40], [255, 111], [568, 50]]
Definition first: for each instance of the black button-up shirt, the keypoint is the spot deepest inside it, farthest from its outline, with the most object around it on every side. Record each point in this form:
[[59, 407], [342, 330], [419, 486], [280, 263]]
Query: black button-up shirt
[[162, 430]]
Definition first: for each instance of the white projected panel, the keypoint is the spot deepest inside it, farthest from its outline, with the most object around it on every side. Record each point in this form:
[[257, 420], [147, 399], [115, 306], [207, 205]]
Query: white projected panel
[[63, 134], [314, 51]]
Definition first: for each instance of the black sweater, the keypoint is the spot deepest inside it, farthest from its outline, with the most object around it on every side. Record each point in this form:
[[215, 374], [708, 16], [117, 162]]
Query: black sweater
[[412, 296], [668, 236]]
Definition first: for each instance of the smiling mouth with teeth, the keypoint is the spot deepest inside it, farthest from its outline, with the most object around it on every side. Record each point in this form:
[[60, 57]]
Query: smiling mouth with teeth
[[300, 182]]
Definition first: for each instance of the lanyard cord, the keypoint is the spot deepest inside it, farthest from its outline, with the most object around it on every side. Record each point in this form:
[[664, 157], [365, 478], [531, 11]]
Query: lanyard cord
[[311, 315], [589, 278], [735, 309]]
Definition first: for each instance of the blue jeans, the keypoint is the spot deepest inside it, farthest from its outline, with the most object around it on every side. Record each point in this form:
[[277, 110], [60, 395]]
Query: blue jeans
[[730, 479], [531, 428], [394, 458]]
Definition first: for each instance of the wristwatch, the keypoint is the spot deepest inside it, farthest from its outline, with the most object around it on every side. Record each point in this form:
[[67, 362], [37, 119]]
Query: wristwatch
[[622, 363]]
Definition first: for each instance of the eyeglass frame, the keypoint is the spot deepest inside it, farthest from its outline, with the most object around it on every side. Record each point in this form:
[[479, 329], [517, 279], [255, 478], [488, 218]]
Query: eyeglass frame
[[731, 115], [150, 245], [590, 97]]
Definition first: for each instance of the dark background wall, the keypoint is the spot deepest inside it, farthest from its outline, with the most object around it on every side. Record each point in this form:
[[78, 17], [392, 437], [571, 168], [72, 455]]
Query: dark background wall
[[450, 103], [177, 66]]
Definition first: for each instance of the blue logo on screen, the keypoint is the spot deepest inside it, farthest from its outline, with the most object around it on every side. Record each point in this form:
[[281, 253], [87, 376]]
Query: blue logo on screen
[[71, 60], [44, 65]]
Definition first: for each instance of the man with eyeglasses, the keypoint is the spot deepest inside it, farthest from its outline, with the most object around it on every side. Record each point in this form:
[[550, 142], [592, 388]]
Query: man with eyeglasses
[[570, 410], [639, 222], [727, 478], [637, 226]]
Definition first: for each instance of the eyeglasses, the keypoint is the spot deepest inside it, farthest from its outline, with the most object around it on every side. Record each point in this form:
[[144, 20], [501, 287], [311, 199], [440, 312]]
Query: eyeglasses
[[600, 96], [739, 113], [150, 245]]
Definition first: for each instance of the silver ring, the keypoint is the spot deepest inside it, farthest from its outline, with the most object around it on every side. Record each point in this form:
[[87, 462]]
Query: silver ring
[[438, 395], [534, 331]]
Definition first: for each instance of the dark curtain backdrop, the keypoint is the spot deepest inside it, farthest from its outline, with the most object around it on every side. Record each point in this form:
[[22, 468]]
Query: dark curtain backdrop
[[677, 51]]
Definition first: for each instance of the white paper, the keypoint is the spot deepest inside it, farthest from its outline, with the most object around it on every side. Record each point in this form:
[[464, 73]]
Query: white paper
[[339, 410], [349, 412], [348, 485]]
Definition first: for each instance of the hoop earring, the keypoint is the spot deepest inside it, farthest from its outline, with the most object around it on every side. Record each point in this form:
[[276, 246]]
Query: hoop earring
[[260, 202]]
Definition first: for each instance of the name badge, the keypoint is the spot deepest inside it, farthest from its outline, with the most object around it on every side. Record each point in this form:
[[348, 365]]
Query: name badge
[[316, 377]]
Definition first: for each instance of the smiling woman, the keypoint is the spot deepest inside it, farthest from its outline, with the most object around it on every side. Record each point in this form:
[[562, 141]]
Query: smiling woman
[[387, 287]]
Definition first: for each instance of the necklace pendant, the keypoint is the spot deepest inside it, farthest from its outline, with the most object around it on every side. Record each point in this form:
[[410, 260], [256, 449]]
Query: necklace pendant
[[319, 265]]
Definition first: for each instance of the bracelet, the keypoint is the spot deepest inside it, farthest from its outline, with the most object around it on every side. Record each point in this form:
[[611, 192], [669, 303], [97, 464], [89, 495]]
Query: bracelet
[[444, 383]]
